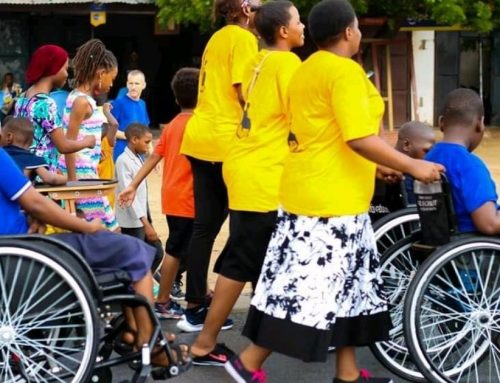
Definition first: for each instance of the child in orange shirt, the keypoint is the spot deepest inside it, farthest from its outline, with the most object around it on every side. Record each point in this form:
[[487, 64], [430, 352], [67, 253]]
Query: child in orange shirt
[[177, 189]]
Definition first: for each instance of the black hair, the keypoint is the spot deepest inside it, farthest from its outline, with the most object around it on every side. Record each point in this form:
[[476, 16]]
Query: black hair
[[89, 58], [21, 128], [185, 87], [136, 129], [462, 107], [229, 10], [328, 20], [270, 17], [413, 129]]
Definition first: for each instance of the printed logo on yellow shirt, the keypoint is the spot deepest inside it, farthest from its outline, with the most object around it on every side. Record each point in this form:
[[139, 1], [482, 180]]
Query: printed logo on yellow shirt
[[293, 143], [244, 128]]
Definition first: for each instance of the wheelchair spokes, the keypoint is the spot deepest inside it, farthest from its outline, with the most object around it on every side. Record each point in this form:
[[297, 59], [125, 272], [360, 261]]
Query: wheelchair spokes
[[456, 323], [397, 267], [46, 320]]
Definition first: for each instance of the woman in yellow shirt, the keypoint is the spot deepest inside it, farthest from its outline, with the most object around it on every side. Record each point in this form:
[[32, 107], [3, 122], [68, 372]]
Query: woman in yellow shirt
[[253, 166], [208, 136], [319, 285]]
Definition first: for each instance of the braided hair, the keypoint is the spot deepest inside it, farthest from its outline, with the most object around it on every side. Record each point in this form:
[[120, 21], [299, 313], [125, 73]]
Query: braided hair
[[89, 58]]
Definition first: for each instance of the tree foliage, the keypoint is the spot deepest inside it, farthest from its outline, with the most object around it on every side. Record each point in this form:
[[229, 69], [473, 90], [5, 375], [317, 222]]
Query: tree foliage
[[481, 16]]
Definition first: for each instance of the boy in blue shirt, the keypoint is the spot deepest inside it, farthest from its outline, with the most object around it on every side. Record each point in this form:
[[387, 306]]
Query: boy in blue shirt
[[128, 109], [16, 139], [473, 190]]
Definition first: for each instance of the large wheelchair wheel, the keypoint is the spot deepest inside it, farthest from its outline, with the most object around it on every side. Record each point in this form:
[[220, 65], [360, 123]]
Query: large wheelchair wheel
[[393, 235], [395, 227], [48, 316], [452, 313], [397, 268]]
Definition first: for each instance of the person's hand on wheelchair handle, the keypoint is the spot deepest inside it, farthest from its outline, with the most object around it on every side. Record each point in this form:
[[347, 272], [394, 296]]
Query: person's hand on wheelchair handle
[[389, 175], [426, 171]]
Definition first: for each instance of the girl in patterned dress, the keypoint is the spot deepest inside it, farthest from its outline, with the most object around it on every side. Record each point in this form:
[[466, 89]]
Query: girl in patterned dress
[[320, 285], [47, 70], [95, 69]]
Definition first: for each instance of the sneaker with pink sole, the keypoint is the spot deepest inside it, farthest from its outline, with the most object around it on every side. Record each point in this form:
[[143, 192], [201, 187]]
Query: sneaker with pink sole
[[365, 377], [240, 374]]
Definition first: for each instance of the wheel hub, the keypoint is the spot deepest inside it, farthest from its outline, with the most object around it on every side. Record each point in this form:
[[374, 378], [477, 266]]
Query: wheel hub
[[7, 335], [483, 318]]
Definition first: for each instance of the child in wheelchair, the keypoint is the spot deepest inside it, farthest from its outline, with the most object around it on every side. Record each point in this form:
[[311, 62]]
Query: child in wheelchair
[[23, 209], [17, 137], [472, 188], [415, 139]]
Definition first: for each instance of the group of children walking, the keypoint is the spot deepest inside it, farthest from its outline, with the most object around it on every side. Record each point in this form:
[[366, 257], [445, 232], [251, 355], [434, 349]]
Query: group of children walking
[[288, 150]]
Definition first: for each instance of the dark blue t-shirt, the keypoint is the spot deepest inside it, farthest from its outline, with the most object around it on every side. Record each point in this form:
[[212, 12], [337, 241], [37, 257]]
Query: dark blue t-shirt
[[12, 185], [25, 159], [126, 111], [470, 179]]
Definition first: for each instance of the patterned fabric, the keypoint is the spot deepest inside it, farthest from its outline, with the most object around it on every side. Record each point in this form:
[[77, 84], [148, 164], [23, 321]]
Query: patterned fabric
[[87, 161], [41, 110], [319, 269]]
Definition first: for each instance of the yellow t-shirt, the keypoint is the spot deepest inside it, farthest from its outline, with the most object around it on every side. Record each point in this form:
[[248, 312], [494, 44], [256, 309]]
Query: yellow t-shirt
[[331, 102], [210, 131], [253, 167]]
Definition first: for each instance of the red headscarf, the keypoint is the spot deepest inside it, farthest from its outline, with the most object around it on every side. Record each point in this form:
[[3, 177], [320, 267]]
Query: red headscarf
[[46, 61]]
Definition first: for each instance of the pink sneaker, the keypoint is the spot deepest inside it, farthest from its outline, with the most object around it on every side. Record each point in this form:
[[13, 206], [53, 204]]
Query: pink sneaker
[[365, 377], [240, 374]]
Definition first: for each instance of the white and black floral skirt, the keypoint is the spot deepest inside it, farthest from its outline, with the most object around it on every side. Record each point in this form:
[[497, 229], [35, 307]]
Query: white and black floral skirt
[[319, 286]]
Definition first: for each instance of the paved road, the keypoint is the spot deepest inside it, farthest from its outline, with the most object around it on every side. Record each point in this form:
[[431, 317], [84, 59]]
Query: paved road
[[280, 369]]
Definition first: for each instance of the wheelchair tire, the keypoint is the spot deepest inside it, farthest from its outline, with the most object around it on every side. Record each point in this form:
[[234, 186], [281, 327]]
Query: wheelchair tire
[[452, 316], [394, 227], [397, 267], [48, 316]]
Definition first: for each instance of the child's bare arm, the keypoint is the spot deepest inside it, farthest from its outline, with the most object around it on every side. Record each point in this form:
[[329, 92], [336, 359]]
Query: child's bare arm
[[374, 149], [79, 111], [126, 197], [46, 211], [112, 123], [239, 93], [65, 145], [151, 234], [486, 219], [51, 178]]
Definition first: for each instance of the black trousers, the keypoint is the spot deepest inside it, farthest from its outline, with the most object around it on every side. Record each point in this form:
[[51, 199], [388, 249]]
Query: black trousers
[[210, 200]]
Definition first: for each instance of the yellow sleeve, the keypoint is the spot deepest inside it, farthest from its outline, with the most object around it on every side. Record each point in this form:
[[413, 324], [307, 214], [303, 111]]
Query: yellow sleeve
[[284, 76], [245, 47], [351, 103]]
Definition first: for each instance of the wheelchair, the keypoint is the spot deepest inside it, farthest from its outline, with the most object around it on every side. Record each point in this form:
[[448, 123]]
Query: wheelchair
[[58, 321], [452, 306], [394, 220]]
